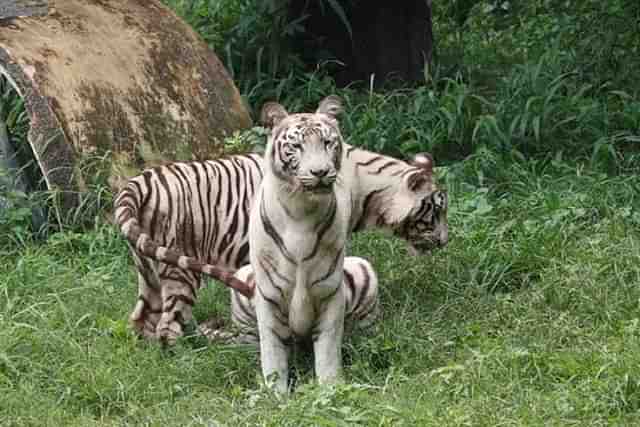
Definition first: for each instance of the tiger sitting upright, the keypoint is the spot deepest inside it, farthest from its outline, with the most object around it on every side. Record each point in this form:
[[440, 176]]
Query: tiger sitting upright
[[300, 223]]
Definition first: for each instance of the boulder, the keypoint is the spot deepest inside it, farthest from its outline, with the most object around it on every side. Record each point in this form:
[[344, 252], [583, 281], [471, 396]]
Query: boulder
[[124, 81]]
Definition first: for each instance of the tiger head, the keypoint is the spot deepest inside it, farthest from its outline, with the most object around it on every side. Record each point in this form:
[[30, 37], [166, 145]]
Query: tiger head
[[423, 224], [305, 150]]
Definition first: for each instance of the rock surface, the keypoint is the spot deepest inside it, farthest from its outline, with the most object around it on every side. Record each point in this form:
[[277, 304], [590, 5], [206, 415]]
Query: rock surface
[[125, 81]]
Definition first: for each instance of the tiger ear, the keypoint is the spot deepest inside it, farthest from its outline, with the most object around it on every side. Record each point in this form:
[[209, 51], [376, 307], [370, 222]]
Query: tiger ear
[[331, 106], [272, 114], [417, 180], [424, 161]]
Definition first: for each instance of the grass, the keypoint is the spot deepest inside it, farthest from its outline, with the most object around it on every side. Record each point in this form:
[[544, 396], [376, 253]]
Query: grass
[[528, 317]]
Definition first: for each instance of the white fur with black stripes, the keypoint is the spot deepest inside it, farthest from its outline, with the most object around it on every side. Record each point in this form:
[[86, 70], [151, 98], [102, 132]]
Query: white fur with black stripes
[[298, 231], [362, 308], [201, 209]]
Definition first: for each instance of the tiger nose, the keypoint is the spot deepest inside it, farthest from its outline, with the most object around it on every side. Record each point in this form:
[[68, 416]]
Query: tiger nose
[[319, 173]]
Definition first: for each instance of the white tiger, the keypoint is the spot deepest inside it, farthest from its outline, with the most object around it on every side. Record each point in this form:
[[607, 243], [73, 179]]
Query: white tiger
[[297, 233]]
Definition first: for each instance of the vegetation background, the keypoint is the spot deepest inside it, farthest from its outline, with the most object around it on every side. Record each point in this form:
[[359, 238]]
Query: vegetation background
[[531, 314]]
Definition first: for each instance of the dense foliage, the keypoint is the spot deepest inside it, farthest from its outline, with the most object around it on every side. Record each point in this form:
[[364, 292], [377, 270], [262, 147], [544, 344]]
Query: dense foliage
[[528, 317], [524, 78]]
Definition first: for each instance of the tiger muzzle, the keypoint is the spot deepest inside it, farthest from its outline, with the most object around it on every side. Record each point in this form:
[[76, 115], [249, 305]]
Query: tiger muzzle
[[318, 184], [438, 240]]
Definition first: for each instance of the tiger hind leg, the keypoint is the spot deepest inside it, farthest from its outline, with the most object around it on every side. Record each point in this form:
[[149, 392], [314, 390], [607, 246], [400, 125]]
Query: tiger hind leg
[[146, 313], [178, 298], [243, 311], [361, 294]]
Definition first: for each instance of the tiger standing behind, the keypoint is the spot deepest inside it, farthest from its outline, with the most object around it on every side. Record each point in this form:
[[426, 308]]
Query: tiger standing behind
[[298, 232], [201, 210]]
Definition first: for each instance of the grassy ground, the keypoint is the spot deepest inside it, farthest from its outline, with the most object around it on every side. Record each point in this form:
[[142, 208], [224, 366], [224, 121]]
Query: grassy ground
[[528, 317]]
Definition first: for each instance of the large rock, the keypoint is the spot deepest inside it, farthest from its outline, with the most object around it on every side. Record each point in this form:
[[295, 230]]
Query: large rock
[[125, 79]]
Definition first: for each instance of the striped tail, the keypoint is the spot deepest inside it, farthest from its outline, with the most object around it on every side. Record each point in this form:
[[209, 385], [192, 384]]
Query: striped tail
[[126, 216]]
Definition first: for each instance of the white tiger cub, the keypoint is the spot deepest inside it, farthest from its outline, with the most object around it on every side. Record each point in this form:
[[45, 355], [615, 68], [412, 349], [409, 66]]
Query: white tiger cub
[[360, 285], [300, 222]]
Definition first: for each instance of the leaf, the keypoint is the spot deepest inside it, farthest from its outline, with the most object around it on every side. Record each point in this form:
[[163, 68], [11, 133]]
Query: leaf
[[476, 128], [536, 128], [621, 94], [483, 100], [483, 207], [514, 125], [338, 9]]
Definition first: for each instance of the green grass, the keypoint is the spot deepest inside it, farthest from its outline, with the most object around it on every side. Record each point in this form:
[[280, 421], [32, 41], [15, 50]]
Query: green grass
[[528, 317]]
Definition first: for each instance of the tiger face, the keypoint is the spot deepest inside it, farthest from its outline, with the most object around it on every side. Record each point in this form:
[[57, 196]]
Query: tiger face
[[425, 225], [305, 149]]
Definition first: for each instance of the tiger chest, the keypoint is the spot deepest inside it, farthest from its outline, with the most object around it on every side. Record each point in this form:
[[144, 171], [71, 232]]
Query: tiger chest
[[305, 255]]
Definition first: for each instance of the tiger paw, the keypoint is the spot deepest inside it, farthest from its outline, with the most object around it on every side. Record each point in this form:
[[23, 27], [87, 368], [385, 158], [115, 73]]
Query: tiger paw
[[143, 321], [217, 331], [169, 332], [144, 327]]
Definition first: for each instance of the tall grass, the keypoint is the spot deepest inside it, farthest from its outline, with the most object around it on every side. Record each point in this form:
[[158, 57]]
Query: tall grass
[[539, 109], [513, 78]]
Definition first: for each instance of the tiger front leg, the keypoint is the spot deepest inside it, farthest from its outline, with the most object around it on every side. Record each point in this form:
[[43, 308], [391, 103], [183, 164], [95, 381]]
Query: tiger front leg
[[275, 337], [178, 298], [327, 339]]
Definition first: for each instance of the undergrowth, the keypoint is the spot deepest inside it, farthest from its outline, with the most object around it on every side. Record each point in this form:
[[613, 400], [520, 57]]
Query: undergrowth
[[530, 78]]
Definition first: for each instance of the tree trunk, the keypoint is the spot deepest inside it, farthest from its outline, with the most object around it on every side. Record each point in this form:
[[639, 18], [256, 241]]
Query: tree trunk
[[389, 39]]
